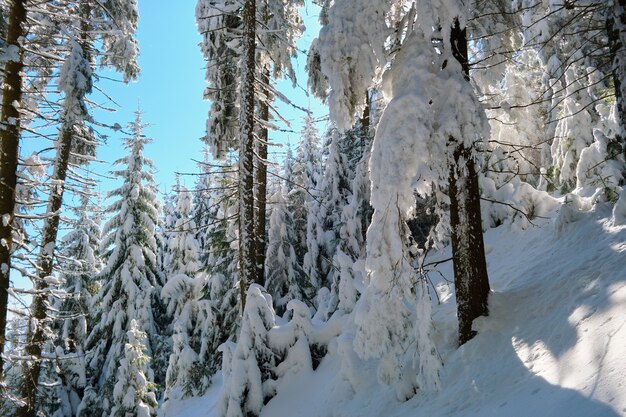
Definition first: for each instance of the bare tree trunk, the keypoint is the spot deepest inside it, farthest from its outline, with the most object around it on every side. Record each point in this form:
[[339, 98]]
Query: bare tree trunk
[[247, 251], [261, 182], [615, 26], [9, 143], [468, 250]]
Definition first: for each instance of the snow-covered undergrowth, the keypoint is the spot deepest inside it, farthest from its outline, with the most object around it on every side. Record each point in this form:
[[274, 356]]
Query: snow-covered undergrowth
[[553, 345]]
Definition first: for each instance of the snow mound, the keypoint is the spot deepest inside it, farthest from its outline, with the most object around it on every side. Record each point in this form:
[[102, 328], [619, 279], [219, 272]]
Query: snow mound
[[553, 345]]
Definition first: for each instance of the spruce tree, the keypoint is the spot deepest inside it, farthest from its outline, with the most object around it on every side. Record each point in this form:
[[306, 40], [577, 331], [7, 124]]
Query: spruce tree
[[130, 281], [80, 263], [304, 197], [184, 293], [285, 279]]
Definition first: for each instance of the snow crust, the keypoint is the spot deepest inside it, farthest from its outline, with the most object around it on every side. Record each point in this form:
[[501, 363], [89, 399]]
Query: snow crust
[[553, 344]]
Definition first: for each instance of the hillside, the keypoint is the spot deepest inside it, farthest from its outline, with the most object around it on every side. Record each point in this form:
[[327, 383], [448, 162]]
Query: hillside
[[553, 345]]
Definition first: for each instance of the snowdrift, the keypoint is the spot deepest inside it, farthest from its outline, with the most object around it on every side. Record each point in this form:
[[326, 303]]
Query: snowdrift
[[554, 344]]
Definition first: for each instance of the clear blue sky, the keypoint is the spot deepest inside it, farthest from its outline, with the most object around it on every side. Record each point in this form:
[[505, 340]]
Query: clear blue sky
[[170, 87]]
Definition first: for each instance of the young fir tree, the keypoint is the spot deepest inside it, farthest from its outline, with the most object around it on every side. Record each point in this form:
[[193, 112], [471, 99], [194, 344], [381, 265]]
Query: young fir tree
[[80, 264], [217, 234], [352, 218], [285, 280], [184, 294], [335, 193], [131, 282], [166, 227], [304, 198], [134, 391], [249, 364]]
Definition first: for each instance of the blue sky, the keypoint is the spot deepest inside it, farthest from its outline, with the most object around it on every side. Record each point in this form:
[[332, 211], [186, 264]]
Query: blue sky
[[169, 91]]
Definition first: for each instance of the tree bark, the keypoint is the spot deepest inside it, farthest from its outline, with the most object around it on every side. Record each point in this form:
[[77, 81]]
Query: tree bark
[[247, 251], [261, 182], [468, 251], [9, 154]]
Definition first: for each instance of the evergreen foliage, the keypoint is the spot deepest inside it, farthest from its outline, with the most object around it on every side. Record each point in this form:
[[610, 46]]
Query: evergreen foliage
[[130, 280]]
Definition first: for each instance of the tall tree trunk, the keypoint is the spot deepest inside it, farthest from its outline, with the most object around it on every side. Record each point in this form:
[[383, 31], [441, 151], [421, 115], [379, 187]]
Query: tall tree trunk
[[9, 143], [38, 309], [366, 134], [247, 252], [39, 313], [468, 250], [616, 31], [261, 181]]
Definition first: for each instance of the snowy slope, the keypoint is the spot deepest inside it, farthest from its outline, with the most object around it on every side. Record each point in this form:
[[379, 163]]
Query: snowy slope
[[554, 344]]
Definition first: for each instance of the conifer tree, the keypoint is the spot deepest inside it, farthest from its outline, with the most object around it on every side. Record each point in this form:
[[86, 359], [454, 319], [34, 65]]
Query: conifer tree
[[223, 26], [285, 280], [217, 284], [304, 197], [252, 361], [133, 393], [80, 265], [184, 293], [131, 282]]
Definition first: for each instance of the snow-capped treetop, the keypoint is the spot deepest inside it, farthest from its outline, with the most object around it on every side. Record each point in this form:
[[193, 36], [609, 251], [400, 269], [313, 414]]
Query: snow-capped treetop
[[183, 246], [131, 280]]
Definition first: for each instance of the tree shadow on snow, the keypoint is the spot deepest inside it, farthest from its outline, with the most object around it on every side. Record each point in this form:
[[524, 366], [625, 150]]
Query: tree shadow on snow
[[537, 330]]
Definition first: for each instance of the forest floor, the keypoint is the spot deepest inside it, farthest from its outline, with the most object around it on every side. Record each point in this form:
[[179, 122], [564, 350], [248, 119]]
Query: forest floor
[[553, 345]]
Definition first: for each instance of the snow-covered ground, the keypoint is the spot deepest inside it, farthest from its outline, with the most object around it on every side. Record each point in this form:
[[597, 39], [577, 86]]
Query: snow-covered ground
[[554, 344]]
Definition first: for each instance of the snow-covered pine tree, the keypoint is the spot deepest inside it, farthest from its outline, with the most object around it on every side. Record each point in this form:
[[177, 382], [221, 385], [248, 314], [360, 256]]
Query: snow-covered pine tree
[[570, 42], [165, 230], [71, 35], [230, 39], [280, 26], [284, 280], [219, 261], [134, 391], [205, 208], [251, 363], [130, 280], [354, 220], [183, 245], [80, 263], [218, 23], [304, 198], [184, 294], [353, 54], [334, 192]]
